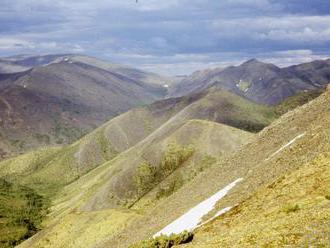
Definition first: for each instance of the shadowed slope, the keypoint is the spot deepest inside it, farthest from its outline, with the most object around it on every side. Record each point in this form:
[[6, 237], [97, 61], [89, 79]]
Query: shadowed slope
[[58, 102]]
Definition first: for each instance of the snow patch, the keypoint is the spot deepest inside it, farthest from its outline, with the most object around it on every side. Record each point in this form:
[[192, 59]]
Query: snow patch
[[190, 220], [286, 145], [166, 85]]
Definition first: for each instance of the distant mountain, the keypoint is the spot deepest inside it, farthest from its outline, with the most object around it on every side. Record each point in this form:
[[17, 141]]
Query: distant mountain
[[20, 63], [260, 82], [62, 97]]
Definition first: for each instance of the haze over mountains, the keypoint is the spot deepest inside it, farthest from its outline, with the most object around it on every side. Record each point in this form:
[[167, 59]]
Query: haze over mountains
[[146, 162]]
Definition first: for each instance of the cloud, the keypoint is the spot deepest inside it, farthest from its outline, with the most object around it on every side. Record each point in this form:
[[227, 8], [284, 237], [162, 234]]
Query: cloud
[[15, 44], [171, 32]]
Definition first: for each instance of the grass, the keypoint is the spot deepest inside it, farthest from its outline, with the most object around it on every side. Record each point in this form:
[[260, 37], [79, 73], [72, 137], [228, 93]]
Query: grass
[[273, 224]]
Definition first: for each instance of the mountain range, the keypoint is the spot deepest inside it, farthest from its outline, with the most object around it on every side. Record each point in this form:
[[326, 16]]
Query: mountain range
[[57, 99], [220, 159], [260, 82]]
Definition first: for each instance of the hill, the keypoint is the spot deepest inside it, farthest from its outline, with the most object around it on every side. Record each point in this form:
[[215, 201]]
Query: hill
[[58, 102], [139, 164], [280, 199], [165, 128], [83, 212], [143, 126], [257, 81]]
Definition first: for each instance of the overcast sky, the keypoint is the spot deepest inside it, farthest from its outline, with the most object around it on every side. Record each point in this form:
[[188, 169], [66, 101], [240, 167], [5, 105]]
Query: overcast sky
[[169, 36]]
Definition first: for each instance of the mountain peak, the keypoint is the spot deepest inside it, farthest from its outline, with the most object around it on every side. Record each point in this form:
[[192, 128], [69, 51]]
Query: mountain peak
[[252, 61]]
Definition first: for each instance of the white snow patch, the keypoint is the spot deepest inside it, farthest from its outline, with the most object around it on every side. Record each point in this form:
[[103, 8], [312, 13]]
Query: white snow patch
[[286, 145], [166, 85], [190, 220]]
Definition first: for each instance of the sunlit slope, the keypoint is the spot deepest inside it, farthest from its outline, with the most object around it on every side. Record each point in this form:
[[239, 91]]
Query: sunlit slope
[[296, 139], [156, 121], [118, 186], [45, 167], [292, 211], [83, 199], [155, 163]]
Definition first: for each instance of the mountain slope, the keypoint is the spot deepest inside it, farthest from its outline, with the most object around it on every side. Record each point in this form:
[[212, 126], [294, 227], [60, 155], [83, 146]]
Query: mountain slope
[[66, 211], [292, 211], [260, 82], [299, 137], [147, 125], [59, 102], [148, 161]]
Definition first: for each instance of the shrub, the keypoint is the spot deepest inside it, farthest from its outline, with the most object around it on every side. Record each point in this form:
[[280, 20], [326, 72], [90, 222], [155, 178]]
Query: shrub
[[173, 186], [291, 208], [175, 156], [145, 177], [165, 241]]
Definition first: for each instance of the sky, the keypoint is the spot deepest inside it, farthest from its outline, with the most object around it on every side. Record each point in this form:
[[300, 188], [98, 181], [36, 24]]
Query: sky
[[170, 37]]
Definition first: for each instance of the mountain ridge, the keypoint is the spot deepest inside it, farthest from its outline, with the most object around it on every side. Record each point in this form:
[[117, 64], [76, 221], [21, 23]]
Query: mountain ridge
[[261, 82]]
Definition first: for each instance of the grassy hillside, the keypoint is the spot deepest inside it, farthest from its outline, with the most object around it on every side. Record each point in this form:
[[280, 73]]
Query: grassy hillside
[[43, 169], [148, 161], [297, 100], [292, 211], [260, 164], [179, 162]]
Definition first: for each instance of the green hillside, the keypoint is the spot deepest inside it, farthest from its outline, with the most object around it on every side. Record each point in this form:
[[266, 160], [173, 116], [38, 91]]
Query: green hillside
[[135, 174]]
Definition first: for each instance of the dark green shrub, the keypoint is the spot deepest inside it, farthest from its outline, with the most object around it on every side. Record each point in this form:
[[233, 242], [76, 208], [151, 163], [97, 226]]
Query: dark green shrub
[[291, 208], [173, 186], [175, 156], [165, 241], [145, 177]]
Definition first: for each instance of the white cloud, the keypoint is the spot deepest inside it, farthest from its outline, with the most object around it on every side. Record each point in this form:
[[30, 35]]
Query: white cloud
[[15, 44]]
